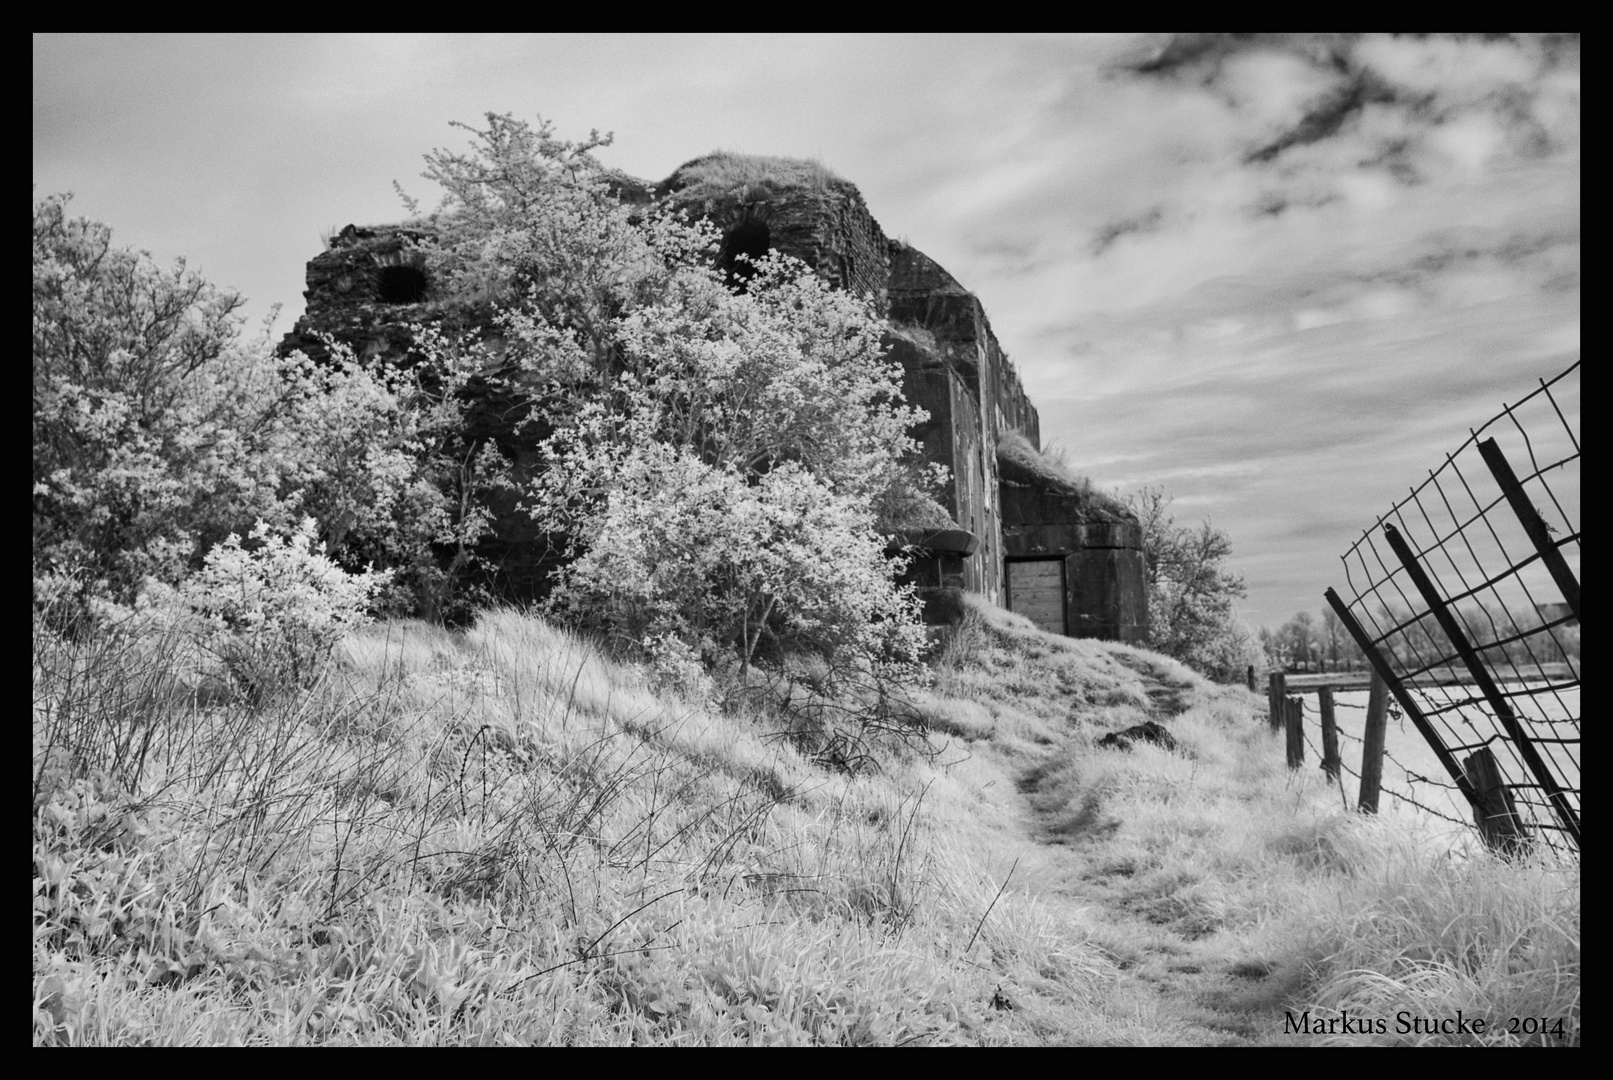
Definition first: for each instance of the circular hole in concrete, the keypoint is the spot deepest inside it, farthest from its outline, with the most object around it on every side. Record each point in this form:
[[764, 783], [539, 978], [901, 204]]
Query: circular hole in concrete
[[401, 284]]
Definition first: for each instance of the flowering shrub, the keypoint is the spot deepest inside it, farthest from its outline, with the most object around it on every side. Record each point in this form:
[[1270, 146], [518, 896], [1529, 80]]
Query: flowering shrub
[[724, 489], [150, 417], [684, 548], [673, 665], [389, 471], [271, 614], [714, 456]]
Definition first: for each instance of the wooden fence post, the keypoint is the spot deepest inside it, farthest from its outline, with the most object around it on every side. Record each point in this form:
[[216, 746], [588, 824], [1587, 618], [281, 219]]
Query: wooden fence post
[[1496, 814], [1372, 755], [1372, 744], [1276, 693], [1330, 734], [1539, 532], [1251, 676], [1294, 708]]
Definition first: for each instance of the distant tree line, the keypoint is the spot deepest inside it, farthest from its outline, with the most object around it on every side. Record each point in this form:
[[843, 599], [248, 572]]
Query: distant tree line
[[1308, 643]]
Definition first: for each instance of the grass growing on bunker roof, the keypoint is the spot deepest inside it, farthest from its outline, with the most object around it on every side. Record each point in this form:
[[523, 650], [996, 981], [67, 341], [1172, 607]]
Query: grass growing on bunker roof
[[1022, 463], [723, 173]]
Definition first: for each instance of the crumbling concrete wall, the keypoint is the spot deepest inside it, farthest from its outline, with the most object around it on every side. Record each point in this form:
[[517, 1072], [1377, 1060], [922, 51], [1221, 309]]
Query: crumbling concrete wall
[[821, 220], [955, 436], [945, 327], [364, 290], [924, 295], [1048, 515]]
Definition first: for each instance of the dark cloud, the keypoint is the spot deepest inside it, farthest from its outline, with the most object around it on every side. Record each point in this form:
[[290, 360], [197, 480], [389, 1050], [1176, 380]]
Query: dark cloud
[[1327, 115], [1200, 57], [1395, 157], [1328, 529], [1374, 89], [1106, 236], [1189, 51]]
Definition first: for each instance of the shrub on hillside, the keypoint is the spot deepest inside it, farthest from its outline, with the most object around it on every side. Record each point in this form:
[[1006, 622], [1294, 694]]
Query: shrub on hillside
[[270, 614], [147, 414], [1191, 592]]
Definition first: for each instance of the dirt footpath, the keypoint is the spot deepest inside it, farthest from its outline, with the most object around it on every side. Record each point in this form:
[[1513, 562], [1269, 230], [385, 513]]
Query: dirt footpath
[[1181, 975]]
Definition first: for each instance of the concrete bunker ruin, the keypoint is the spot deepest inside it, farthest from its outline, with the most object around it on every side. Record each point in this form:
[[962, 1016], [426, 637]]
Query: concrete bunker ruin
[[1020, 534]]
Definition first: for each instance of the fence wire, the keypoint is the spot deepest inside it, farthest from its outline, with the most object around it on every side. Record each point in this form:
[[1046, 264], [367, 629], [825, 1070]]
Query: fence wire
[[1459, 583], [1414, 778]]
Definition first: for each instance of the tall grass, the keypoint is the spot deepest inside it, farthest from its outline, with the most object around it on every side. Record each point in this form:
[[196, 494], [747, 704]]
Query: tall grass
[[504, 836], [500, 836]]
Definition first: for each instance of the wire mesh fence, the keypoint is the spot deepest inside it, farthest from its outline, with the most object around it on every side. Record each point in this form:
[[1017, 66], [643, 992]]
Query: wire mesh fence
[[1465, 599]]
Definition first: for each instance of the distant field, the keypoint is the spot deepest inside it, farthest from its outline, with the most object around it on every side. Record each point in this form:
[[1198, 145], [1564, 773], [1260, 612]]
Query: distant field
[[1359, 680]]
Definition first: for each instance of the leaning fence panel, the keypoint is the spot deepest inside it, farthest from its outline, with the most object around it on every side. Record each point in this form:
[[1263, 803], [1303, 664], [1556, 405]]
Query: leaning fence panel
[[1465, 598]]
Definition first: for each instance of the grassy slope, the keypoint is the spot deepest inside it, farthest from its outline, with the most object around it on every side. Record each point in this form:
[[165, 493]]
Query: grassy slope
[[501, 837]]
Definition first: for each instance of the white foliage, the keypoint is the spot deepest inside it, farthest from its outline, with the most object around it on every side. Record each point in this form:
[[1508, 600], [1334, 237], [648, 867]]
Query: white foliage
[[713, 457], [272, 613]]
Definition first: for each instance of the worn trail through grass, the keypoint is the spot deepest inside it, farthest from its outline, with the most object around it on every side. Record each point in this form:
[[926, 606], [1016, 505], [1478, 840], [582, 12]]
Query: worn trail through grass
[[1178, 976], [1225, 894]]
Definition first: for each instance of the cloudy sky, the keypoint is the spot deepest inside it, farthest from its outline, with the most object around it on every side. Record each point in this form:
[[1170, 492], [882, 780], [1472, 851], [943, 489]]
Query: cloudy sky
[[1280, 277]]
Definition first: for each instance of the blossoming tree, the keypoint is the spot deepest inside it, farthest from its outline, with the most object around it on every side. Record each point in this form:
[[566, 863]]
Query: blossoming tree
[[712, 456]]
